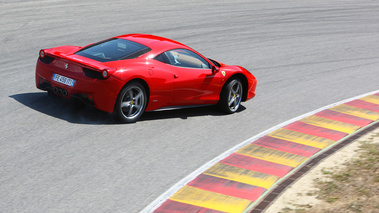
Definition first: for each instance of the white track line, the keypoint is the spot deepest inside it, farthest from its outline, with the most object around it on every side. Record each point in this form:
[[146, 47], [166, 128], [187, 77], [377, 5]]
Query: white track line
[[161, 199]]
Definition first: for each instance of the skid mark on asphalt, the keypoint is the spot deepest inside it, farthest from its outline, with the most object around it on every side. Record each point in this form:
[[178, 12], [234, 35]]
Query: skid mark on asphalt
[[237, 181]]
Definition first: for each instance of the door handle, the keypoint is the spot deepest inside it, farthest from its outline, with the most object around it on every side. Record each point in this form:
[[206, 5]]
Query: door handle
[[176, 76]]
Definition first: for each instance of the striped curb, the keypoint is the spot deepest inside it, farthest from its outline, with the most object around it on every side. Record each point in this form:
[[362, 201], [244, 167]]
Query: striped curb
[[238, 179]]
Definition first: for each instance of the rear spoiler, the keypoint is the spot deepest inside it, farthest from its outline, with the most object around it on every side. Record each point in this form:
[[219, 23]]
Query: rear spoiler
[[68, 53]]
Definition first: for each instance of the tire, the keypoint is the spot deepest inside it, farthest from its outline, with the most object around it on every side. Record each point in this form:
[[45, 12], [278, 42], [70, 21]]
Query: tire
[[231, 96], [131, 102]]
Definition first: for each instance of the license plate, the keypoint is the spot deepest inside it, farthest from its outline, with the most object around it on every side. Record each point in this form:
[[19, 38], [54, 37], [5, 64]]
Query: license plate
[[64, 80]]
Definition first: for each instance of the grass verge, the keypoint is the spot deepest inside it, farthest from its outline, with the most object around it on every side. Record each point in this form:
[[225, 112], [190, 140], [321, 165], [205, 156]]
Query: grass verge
[[352, 188]]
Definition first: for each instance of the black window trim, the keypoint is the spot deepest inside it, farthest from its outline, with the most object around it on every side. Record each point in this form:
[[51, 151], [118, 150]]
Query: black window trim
[[163, 54], [141, 52], [94, 44]]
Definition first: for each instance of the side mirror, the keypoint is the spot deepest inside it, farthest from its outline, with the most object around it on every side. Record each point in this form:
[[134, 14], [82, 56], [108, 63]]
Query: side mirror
[[215, 69]]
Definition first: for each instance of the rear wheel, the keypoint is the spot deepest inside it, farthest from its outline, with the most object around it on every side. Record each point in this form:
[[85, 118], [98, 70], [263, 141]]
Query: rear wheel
[[231, 96], [131, 102]]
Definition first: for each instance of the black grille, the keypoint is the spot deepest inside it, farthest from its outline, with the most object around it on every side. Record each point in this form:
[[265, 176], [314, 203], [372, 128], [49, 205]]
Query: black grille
[[84, 98], [47, 59], [93, 74]]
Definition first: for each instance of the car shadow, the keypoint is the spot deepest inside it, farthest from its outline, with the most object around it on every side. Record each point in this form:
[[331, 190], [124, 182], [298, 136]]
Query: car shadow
[[64, 109], [70, 111]]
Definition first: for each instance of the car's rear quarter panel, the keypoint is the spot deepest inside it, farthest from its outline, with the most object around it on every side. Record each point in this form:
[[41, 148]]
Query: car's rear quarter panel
[[104, 91], [156, 75]]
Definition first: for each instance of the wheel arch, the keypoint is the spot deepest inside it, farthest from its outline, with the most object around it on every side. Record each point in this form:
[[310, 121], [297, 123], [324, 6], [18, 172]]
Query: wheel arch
[[244, 81]]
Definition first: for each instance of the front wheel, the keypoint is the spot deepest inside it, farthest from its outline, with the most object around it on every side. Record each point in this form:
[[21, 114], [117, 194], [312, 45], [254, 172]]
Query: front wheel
[[131, 102], [231, 96]]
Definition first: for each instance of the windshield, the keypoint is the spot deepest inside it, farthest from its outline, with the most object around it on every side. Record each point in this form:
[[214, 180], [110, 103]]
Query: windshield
[[113, 49]]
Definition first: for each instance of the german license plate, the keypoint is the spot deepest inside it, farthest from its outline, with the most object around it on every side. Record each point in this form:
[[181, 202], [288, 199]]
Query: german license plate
[[64, 80]]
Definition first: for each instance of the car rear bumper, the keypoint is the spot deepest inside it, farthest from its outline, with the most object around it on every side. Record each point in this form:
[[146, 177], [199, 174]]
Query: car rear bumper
[[102, 94]]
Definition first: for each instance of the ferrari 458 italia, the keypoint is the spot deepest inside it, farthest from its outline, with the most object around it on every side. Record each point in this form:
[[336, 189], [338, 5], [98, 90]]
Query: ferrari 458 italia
[[129, 74]]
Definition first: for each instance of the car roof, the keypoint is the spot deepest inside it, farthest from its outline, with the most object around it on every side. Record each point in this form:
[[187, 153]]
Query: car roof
[[156, 43]]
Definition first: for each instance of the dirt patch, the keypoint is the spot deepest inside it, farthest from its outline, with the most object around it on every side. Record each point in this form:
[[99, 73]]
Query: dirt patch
[[347, 181]]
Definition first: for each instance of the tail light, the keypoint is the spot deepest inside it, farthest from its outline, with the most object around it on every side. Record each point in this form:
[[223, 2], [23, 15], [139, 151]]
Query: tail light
[[105, 74], [44, 57], [98, 73], [42, 54]]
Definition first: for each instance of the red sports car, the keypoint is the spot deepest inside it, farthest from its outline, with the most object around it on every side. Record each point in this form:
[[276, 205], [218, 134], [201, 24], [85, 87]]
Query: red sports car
[[133, 73]]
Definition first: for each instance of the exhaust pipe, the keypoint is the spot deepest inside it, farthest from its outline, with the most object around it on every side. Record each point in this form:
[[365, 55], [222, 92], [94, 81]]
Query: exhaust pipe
[[60, 91], [64, 92]]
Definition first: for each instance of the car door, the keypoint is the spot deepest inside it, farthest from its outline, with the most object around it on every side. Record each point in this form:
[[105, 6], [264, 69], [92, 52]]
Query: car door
[[160, 82], [194, 81]]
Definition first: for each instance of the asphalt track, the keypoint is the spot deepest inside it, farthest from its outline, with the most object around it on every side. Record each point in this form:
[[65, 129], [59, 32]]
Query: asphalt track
[[55, 158]]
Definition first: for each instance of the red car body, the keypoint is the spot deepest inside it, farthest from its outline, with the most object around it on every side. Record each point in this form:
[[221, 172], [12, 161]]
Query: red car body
[[99, 83]]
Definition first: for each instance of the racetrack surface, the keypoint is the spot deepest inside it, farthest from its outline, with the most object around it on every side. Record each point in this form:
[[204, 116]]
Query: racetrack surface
[[56, 158]]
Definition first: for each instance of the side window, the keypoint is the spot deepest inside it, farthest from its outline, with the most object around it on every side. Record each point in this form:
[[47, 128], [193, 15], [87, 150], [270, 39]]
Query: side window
[[162, 58], [187, 58]]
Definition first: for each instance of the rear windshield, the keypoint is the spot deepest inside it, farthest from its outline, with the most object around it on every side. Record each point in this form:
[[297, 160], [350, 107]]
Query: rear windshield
[[113, 49]]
